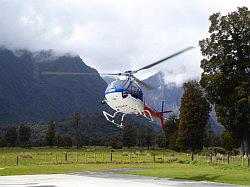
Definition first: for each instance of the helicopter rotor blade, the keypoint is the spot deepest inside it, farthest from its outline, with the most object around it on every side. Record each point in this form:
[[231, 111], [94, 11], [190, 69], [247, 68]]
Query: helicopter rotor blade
[[58, 73], [114, 74], [145, 85], [164, 59]]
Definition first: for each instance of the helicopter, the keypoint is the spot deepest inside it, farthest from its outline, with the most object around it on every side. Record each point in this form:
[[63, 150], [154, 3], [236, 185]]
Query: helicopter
[[126, 96]]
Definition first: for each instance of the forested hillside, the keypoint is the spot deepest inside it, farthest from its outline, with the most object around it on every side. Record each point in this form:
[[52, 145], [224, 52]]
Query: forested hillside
[[28, 96]]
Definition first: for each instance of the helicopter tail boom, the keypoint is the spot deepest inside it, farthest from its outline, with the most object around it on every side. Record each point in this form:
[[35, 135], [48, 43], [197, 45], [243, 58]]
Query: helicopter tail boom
[[157, 114]]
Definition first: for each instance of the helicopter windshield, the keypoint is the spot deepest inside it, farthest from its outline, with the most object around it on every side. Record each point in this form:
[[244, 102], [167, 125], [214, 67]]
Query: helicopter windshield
[[127, 86], [119, 84]]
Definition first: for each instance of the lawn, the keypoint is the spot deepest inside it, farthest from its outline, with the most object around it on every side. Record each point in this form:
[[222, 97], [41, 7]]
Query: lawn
[[213, 173], [160, 163]]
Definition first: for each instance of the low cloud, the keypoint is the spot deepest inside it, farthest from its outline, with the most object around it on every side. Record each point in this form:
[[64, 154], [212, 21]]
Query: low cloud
[[112, 35]]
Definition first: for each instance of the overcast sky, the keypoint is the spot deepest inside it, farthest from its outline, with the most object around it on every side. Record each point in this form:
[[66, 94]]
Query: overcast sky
[[115, 35]]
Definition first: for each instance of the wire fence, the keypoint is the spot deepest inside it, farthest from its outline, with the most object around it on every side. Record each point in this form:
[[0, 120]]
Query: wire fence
[[46, 158]]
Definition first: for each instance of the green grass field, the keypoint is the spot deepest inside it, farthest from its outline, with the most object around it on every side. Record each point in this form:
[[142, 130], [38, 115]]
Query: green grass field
[[160, 163]]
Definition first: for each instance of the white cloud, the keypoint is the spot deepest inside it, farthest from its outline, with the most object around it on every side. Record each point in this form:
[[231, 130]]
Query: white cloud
[[114, 35]]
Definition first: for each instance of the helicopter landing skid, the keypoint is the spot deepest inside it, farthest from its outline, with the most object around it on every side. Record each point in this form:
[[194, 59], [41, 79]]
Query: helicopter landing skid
[[111, 118]]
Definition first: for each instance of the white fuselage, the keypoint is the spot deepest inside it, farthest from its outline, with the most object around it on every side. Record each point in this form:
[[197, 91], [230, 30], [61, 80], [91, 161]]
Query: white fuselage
[[128, 105]]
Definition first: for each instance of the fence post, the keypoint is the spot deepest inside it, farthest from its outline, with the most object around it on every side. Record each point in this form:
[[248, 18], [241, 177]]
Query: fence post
[[66, 157], [77, 157], [111, 157], [228, 158], [154, 157], [17, 160], [129, 157], [162, 157]]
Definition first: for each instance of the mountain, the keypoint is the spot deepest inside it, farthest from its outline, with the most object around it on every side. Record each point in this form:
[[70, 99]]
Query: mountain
[[28, 96], [170, 93]]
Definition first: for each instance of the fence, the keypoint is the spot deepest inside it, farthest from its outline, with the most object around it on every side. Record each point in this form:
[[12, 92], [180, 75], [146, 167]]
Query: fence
[[43, 158]]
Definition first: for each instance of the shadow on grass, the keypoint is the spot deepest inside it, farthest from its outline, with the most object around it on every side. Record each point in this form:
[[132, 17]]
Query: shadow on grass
[[204, 177]]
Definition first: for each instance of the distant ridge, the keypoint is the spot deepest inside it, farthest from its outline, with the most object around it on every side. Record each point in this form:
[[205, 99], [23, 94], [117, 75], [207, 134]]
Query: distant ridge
[[28, 96]]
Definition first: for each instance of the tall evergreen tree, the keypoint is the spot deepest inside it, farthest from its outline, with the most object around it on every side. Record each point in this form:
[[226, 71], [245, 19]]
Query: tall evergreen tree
[[11, 136], [194, 114], [24, 134], [226, 66], [51, 133]]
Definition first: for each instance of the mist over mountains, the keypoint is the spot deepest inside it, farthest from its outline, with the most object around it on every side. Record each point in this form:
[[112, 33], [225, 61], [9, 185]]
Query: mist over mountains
[[28, 96]]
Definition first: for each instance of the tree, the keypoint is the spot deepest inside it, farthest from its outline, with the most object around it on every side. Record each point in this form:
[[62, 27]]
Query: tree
[[60, 141], [225, 76], [227, 141], [141, 132], [76, 126], [51, 133], [68, 141], [194, 114], [84, 139], [24, 134], [149, 135], [129, 135], [211, 139], [160, 140], [11, 136], [2, 142], [116, 142], [170, 128]]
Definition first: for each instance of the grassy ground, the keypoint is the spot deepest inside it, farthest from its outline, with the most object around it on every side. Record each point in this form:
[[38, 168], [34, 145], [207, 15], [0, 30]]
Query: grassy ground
[[161, 163], [223, 174], [62, 168]]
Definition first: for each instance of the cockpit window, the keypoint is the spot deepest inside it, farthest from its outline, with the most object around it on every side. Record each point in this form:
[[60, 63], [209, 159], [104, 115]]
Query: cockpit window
[[119, 84], [129, 87]]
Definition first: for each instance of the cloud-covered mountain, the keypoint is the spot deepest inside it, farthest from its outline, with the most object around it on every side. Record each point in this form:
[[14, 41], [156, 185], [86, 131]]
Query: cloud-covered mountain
[[27, 95]]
